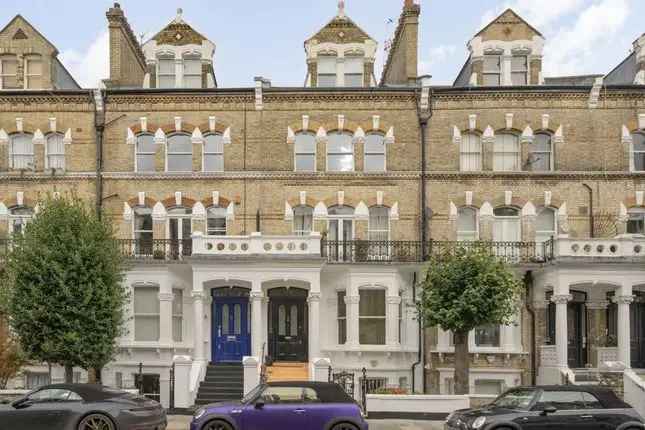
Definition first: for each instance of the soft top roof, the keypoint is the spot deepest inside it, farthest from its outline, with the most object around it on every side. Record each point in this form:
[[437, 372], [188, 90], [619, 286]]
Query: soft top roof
[[326, 391], [606, 395], [89, 392]]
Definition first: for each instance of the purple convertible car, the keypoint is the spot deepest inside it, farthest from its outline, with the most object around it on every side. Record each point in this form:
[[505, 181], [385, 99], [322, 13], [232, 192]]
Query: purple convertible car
[[283, 406]]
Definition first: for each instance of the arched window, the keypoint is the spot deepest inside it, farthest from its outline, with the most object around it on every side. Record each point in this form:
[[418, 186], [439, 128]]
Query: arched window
[[305, 152], [326, 66], [340, 152], [192, 71], [638, 152], [8, 72], [213, 153], [55, 152], [506, 153], [19, 217], [375, 153], [545, 225], [541, 158], [379, 223], [470, 153], [302, 220], [636, 221], [216, 221], [145, 151], [166, 71], [21, 151], [506, 225], [179, 155], [467, 226]]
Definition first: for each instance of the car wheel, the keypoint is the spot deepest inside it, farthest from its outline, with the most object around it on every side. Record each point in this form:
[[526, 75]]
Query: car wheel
[[217, 425], [344, 426], [96, 422]]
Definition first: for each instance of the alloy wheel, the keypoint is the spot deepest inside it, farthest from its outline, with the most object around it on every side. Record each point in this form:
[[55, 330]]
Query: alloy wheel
[[217, 425], [96, 422], [344, 426]]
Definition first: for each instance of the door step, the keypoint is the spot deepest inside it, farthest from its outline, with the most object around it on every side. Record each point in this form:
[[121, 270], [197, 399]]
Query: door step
[[283, 371]]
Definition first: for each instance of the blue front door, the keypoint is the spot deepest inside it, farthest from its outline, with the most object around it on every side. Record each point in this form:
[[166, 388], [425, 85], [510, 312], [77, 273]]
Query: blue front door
[[231, 331]]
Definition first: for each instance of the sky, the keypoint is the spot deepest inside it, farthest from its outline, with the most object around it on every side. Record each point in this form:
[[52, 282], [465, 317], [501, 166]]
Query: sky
[[265, 38]]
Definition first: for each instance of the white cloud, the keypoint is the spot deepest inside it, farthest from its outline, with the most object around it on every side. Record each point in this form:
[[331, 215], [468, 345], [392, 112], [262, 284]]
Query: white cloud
[[438, 55], [91, 66], [575, 49], [537, 13]]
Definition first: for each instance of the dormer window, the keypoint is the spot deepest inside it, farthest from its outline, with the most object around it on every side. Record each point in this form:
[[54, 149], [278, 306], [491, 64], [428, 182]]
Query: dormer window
[[33, 73], [492, 70], [519, 70], [166, 71], [327, 71], [192, 71], [354, 71], [8, 72]]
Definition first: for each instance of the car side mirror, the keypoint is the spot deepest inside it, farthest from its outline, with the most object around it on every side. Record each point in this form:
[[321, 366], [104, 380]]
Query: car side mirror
[[548, 410], [259, 404]]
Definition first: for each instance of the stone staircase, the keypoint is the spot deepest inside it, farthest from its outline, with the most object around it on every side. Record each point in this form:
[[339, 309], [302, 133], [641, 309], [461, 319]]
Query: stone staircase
[[223, 382], [284, 371]]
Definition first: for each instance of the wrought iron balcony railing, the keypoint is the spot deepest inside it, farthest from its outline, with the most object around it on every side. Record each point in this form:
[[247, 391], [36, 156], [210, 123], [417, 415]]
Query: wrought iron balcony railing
[[156, 249]]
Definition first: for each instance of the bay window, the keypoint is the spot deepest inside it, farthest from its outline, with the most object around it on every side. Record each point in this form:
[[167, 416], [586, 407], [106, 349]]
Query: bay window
[[506, 153], [340, 152], [371, 322], [305, 152], [55, 152], [146, 314], [302, 220], [179, 153], [21, 151], [470, 153], [213, 153], [374, 153]]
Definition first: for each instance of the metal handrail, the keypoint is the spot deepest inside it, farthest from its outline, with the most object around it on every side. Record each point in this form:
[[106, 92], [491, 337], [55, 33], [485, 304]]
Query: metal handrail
[[263, 366]]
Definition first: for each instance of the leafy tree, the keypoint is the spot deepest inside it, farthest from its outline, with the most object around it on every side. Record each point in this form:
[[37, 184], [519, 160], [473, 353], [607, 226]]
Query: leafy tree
[[11, 357], [464, 290], [66, 299]]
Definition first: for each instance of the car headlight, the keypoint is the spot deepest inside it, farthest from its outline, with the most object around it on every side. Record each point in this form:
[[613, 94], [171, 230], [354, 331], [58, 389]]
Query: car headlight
[[199, 413], [479, 422]]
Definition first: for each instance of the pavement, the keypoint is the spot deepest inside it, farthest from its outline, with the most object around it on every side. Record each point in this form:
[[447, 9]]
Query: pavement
[[178, 422]]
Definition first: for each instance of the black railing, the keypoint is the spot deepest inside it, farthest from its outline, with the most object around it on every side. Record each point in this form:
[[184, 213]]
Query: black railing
[[365, 251], [156, 249]]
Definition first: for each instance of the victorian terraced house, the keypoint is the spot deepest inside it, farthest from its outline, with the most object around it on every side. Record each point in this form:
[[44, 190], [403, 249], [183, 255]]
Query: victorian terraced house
[[284, 225]]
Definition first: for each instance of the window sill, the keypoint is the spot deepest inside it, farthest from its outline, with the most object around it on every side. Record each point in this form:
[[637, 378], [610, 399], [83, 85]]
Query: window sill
[[480, 350], [154, 345]]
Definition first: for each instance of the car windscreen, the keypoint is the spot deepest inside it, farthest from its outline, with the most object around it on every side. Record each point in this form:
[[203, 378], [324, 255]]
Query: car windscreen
[[515, 399], [251, 395]]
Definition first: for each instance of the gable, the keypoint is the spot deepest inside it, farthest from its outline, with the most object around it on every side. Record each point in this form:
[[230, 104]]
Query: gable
[[178, 34], [507, 27], [19, 30], [341, 30]]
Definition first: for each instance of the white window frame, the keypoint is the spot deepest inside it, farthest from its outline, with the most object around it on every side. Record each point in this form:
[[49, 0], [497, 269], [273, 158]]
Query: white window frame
[[302, 232], [29, 75], [637, 213], [296, 153], [134, 222], [474, 234], [518, 152], [335, 74], [217, 154], [384, 154], [551, 233], [370, 230], [4, 58], [150, 316], [498, 72], [12, 153], [466, 150], [137, 153], [191, 57], [208, 229], [166, 56], [48, 154], [524, 70], [178, 292], [551, 152], [353, 153], [339, 318], [633, 151], [384, 317], [362, 74], [168, 144]]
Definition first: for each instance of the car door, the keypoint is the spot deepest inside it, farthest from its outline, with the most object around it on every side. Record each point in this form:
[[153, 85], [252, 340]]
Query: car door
[[40, 411], [277, 407], [570, 412]]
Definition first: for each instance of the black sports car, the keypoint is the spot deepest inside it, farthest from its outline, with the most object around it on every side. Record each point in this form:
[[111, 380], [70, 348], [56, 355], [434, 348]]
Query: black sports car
[[82, 407], [550, 407]]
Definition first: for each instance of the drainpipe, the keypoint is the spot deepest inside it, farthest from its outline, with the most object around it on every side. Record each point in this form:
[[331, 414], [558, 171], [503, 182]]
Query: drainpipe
[[98, 96], [528, 282], [591, 215], [420, 343]]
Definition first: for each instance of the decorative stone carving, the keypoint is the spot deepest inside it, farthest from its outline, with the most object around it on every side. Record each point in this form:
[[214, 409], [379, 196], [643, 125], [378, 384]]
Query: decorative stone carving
[[561, 299]]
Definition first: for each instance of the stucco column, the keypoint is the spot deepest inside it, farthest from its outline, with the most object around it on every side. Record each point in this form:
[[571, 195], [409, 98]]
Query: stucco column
[[314, 325], [198, 329], [179, 73], [392, 320], [561, 340], [257, 339], [624, 300], [351, 301], [340, 71], [165, 314]]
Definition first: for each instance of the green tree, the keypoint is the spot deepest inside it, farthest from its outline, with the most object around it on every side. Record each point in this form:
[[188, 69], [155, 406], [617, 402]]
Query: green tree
[[464, 290], [66, 298]]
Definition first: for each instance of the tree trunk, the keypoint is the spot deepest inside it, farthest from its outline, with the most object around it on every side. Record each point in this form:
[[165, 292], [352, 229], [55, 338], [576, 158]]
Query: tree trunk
[[91, 375], [462, 361], [69, 374]]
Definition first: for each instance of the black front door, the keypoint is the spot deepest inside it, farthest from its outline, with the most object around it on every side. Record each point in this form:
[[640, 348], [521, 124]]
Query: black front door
[[576, 336], [637, 332], [288, 324]]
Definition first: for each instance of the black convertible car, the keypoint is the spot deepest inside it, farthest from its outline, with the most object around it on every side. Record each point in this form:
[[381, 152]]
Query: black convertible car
[[555, 407], [82, 407]]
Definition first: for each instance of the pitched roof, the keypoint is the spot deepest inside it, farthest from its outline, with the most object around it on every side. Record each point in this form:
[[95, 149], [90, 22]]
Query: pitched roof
[[506, 14], [341, 29], [178, 32], [35, 30]]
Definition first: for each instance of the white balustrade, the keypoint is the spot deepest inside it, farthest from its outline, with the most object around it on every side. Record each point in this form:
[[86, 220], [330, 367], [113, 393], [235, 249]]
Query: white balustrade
[[256, 244], [619, 247]]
